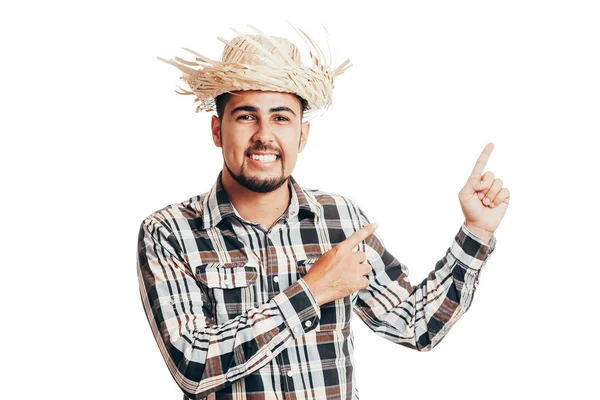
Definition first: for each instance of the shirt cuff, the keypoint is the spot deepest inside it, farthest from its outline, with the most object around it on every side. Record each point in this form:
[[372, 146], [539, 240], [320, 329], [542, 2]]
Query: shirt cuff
[[299, 308], [470, 250]]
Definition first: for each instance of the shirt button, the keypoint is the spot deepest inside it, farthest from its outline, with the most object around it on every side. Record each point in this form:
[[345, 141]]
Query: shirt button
[[276, 279], [269, 353], [295, 329], [290, 373], [308, 323]]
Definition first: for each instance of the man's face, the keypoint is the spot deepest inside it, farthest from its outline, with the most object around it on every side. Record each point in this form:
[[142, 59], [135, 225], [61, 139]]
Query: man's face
[[261, 134]]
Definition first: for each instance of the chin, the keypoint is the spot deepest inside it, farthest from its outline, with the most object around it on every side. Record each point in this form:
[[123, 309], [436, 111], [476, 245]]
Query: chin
[[261, 185], [259, 182]]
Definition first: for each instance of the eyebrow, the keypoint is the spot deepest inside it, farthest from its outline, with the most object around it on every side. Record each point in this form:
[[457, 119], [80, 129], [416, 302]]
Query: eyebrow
[[255, 109]]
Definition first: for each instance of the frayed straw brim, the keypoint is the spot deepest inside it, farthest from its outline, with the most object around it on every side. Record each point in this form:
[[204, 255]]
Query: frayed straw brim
[[273, 70]]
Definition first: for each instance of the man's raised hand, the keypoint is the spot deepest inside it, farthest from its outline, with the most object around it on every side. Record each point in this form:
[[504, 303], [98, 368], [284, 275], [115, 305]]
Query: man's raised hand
[[483, 199]]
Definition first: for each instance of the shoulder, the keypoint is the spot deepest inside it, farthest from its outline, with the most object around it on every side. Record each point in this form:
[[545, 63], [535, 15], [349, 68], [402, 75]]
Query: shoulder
[[335, 206], [176, 217]]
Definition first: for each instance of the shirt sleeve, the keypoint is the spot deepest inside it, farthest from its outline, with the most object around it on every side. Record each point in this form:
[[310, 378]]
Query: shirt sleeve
[[201, 356], [419, 316]]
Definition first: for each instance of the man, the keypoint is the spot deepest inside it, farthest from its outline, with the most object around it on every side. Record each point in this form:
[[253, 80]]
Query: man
[[249, 288]]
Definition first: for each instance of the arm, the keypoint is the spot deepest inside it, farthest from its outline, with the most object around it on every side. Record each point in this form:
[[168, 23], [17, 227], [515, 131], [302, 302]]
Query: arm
[[419, 316], [201, 356]]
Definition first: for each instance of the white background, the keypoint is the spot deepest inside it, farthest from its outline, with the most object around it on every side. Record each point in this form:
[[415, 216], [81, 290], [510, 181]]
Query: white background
[[94, 138]]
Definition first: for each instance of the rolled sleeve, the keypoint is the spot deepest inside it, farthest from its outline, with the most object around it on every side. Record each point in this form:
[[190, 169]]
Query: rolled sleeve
[[299, 308]]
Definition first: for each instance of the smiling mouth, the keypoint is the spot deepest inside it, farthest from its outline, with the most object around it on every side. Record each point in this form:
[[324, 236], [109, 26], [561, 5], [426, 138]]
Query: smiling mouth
[[267, 158]]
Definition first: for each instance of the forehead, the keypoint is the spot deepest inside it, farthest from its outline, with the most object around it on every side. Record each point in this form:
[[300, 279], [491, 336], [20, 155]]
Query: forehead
[[263, 99]]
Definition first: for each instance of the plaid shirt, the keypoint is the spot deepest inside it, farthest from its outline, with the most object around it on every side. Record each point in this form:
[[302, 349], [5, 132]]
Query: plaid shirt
[[234, 319]]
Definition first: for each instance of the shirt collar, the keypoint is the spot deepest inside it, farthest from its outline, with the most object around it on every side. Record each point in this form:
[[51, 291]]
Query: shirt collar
[[216, 205]]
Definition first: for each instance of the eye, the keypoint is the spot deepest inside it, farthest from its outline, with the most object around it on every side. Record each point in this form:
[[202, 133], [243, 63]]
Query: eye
[[243, 117], [282, 118]]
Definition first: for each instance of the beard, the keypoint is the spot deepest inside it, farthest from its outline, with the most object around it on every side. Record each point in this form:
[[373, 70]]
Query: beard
[[255, 184]]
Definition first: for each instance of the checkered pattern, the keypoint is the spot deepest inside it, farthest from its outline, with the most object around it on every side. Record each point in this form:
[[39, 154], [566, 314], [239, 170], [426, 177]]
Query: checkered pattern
[[234, 319]]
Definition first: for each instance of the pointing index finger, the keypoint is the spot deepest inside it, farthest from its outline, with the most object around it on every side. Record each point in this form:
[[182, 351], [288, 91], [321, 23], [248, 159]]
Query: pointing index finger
[[353, 240], [482, 160]]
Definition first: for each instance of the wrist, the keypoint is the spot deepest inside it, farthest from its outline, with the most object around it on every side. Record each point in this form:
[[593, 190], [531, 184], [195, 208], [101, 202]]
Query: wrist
[[482, 234], [314, 290]]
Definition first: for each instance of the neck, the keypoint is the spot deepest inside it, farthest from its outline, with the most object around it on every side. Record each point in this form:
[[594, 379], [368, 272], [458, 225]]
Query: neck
[[263, 208]]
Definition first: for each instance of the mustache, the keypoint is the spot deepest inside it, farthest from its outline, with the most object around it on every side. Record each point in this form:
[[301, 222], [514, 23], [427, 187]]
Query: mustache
[[264, 148]]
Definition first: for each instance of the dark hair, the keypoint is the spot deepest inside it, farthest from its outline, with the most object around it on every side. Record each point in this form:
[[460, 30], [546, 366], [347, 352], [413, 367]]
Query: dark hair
[[222, 99]]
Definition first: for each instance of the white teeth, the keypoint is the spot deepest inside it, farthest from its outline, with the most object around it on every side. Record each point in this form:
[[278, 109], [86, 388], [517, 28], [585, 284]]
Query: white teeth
[[265, 158]]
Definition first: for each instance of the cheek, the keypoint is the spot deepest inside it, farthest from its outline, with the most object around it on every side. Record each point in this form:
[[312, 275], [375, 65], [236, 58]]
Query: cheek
[[291, 155], [234, 150], [292, 148]]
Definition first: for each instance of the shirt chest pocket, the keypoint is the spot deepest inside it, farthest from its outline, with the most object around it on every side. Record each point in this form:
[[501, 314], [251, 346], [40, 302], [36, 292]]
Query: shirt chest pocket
[[335, 315], [229, 289]]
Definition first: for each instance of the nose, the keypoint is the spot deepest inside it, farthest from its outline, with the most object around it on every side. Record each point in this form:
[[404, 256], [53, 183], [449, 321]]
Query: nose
[[264, 132]]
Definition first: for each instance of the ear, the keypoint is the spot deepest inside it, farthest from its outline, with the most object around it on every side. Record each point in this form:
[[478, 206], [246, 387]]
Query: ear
[[215, 126], [305, 129]]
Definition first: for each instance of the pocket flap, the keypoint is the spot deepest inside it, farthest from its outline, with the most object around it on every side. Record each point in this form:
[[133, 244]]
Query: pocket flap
[[308, 261], [304, 265], [226, 276]]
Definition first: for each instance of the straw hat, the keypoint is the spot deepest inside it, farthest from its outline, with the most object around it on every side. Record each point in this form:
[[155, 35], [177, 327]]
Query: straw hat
[[261, 62]]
